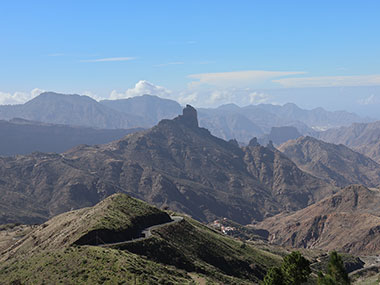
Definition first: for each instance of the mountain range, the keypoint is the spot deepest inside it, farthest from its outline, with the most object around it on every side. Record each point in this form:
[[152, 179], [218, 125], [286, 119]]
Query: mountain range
[[336, 164], [227, 121], [364, 138], [175, 164]]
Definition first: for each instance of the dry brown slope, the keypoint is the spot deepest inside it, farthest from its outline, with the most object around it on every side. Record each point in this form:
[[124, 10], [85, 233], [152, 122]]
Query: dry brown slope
[[364, 138], [347, 221], [336, 164]]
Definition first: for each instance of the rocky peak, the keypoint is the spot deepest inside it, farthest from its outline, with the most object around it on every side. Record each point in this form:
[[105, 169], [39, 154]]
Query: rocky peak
[[253, 142], [270, 145], [189, 116]]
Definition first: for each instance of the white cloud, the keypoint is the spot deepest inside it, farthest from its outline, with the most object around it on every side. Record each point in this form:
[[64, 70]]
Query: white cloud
[[187, 98], [108, 59], [141, 88], [218, 96], [238, 78], [258, 98], [330, 81], [18, 97]]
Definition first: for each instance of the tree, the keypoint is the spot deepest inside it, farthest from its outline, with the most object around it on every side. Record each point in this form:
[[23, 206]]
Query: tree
[[274, 277], [294, 270], [336, 273]]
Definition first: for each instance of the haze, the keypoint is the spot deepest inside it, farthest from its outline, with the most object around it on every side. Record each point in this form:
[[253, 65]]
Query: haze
[[312, 53]]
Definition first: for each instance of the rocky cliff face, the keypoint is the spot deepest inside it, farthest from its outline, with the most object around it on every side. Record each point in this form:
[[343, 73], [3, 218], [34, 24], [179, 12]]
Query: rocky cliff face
[[364, 138], [336, 164], [347, 221], [174, 164]]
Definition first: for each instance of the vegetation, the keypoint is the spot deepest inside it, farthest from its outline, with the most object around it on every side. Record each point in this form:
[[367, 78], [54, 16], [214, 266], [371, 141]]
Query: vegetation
[[193, 246], [294, 270], [336, 273], [89, 265], [123, 212]]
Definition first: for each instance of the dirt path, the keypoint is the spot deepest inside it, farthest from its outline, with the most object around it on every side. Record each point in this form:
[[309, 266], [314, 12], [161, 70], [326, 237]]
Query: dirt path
[[146, 233]]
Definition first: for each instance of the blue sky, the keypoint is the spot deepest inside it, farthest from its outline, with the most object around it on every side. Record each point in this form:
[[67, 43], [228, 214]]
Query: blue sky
[[200, 52]]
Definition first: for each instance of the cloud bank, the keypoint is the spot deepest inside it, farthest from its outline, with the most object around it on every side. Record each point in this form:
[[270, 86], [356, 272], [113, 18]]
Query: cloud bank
[[18, 97], [329, 81], [141, 88], [238, 78]]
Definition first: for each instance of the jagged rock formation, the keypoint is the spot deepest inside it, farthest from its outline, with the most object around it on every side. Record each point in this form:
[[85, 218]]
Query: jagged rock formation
[[334, 163], [174, 164], [347, 221]]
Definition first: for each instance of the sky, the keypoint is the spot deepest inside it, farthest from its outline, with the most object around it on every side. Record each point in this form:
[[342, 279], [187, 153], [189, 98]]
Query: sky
[[206, 53]]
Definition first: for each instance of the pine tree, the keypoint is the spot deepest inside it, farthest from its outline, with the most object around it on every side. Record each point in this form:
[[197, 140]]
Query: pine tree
[[295, 270], [336, 273], [274, 277]]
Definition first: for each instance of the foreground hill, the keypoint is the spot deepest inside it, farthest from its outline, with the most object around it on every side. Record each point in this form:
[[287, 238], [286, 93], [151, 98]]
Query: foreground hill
[[347, 221], [175, 253], [19, 136], [364, 138], [334, 163], [174, 164]]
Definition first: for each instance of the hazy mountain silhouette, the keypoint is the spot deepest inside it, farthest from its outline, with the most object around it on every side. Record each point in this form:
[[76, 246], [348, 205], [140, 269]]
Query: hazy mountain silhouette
[[364, 138], [19, 136], [336, 164]]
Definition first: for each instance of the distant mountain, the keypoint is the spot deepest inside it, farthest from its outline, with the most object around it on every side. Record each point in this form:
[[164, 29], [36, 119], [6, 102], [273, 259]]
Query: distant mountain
[[174, 164], [257, 120], [72, 110], [364, 138], [336, 164], [279, 135], [229, 126], [19, 136], [347, 221], [227, 122], [152, 108], [317, 119]]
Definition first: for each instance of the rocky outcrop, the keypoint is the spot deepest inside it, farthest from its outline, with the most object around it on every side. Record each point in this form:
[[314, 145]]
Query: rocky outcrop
[[347, 221]]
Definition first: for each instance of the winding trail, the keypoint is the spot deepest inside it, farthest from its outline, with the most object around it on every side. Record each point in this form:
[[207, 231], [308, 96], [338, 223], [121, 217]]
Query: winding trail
[[146, 233]]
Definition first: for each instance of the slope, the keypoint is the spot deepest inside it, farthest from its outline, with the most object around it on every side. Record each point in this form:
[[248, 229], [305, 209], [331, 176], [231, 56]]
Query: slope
[[49, 251], [334, 163], [364, 138], [347, 221]]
